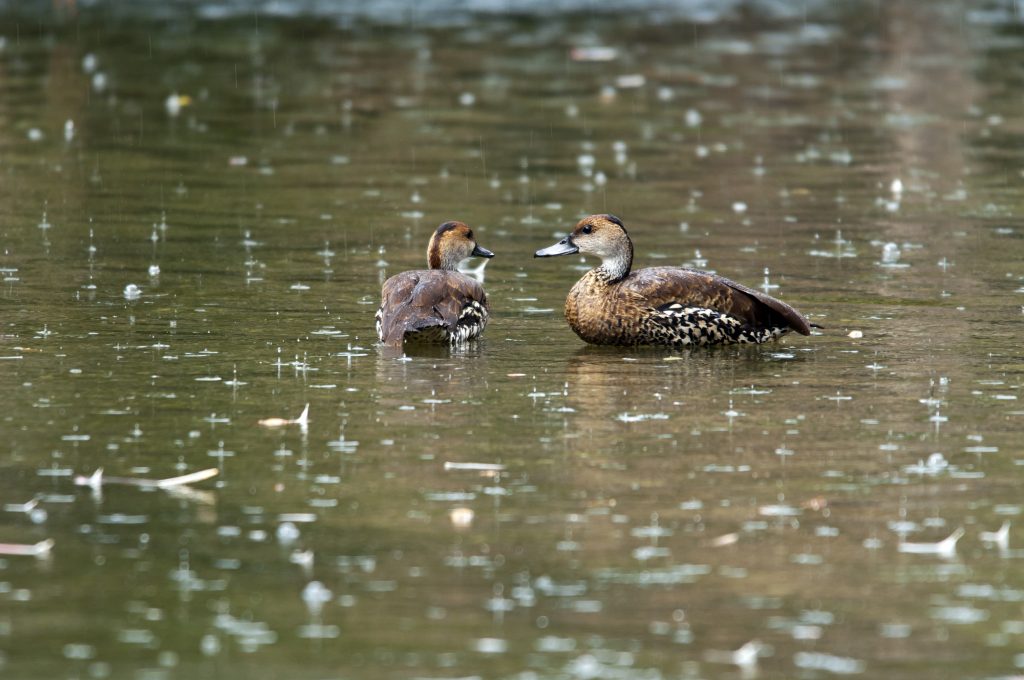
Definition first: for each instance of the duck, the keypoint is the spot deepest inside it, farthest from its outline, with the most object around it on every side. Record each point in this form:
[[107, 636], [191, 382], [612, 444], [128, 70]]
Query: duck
[[438, 304], [668, 306]]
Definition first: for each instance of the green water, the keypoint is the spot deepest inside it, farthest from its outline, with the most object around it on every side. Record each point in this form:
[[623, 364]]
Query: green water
[[652, 509]]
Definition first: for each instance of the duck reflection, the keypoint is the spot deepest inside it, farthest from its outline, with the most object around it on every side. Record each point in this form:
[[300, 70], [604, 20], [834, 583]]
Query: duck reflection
[[418, 380], [607, 389]]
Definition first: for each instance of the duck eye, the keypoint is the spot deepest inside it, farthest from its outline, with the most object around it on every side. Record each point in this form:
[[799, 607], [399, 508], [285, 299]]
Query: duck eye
[[469, 234], [587, 229]]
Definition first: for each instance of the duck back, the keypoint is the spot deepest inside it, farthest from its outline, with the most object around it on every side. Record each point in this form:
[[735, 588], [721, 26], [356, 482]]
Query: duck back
[[432, 306]]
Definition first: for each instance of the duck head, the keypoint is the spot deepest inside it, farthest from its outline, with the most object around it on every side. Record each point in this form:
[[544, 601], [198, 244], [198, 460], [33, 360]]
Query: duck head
[[452, 243], [600, 235]]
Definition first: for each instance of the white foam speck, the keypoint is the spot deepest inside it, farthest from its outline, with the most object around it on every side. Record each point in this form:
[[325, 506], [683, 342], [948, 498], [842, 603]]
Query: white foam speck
[[490, 645], [839, 665]]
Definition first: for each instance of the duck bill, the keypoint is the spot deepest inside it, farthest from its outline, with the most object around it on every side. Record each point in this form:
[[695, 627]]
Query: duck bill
[[563, 247], [481, 252]]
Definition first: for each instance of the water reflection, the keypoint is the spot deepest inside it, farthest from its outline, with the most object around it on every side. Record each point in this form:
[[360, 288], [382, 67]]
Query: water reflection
[[199, 210]]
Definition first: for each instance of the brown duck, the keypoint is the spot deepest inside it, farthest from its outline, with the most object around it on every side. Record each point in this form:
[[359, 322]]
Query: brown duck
[[440, 304], [673, 306]]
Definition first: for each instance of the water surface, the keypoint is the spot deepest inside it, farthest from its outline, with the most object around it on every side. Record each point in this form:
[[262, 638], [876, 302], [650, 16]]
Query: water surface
[[528, 507]]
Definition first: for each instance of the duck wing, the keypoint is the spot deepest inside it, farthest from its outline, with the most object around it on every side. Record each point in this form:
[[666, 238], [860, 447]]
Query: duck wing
[[415, 301], [663, 286]]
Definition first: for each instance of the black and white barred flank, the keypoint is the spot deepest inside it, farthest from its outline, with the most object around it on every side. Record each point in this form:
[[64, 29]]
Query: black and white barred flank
[[674, 324], [472, 322]]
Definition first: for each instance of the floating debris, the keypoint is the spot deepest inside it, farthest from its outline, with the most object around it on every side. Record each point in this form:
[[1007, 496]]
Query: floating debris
[[944, 548], [461, 518], [175, 103], [640, 417], [1000, 538], [489, 467], [725, 539], [22, 507], [745, 657], [132, 292], [96, 480], [40, 549], [855, 335], [301, 421]]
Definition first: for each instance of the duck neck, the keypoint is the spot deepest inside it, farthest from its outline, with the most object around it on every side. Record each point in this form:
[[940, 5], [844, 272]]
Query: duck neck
[[436, 259], [616, 267]]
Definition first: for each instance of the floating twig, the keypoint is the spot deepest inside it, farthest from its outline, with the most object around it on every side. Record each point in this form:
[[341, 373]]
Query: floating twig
[[301, 421], [40, 549], [946, 547], [96, 480], [22, 507]]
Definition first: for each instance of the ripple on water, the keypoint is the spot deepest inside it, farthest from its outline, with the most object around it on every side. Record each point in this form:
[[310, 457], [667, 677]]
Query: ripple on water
[[959, 614], [490, 645], [674, 575], [79, 651], [412, 544], [840, 665], [640, 417]]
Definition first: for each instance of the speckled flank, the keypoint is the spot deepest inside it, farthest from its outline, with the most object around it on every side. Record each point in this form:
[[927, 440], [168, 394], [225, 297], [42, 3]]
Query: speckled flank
[[685, 326], [472, 322]]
